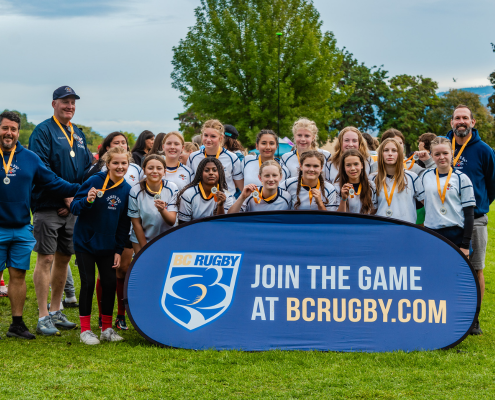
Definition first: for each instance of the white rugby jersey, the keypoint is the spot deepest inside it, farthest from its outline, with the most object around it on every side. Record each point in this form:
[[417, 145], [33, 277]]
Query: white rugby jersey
[[291, 186], [251, 169], [230, 161], [142, 205], [133, 175], [404, 203], [281, 202], [291, 162], [194, 206], [181, 176], [459, 194], [354, 204], [331, 171]]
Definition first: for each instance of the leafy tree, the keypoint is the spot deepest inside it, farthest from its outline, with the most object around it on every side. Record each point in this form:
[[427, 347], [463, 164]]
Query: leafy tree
[[491, 99], [226, 66], [440, 116], [407, 105], [131, 138], [26, 128], [93, 139], [364, 108], [190, 123]]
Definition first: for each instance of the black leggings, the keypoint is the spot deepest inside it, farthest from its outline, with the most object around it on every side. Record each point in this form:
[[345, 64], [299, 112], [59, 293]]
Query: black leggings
[[108, 281]]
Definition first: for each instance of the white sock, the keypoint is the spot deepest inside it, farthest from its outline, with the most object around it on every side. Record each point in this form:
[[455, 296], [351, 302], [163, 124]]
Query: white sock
[[52, 312], [72, 299]]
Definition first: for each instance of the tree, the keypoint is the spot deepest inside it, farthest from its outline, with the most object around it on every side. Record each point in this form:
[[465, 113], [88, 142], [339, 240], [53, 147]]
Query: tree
[[491, 99], [190, 123], [131, 138], [407, 105], [93, 139], [227, 65], [364, 108], [440, 116], [26, 128]]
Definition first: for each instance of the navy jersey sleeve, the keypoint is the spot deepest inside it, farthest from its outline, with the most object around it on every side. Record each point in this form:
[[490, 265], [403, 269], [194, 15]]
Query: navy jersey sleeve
[[50, 181], [39, 143], [80, 201]]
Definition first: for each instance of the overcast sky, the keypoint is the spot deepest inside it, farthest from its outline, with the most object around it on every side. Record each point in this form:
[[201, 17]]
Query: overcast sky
[[117, 54]]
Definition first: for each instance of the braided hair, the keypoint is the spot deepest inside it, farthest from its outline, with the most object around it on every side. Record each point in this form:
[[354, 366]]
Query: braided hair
[[321, 159], [198, 177]]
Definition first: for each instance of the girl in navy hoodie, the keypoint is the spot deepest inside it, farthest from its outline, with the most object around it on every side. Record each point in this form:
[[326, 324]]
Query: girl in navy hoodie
[[100, 234]]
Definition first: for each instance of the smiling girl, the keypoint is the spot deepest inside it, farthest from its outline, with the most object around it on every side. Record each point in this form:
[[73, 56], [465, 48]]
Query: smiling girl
[[355, 193], [449, 197], [176, 172], [309, 191], [206, 195], [212, 134], [397, 189], [266, 197], [100, 234], [349, 138], [266, 144], [305, 134]]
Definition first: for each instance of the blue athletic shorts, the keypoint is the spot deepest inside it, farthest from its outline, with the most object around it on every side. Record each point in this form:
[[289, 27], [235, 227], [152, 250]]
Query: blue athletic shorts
[[16, 245]]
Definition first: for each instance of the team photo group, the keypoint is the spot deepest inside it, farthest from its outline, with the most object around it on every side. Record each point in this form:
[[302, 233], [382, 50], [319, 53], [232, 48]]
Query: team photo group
[[58, 199]]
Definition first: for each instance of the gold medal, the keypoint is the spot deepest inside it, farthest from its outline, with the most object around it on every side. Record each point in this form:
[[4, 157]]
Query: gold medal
[[442, 193], [72, 154], [6, 167], [389, 212]]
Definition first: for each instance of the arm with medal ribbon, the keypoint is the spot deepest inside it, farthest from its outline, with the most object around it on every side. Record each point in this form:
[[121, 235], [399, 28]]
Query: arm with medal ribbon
[[246, 192], [168, 216]]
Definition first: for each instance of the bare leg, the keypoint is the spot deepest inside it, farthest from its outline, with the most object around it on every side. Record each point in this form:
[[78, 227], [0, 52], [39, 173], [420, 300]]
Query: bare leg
[[41, 278], [125, 262], [58, 279], [481, 280], [17, 291]]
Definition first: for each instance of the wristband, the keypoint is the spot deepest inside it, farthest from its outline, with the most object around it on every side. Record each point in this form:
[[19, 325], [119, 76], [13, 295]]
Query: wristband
[[90, 202], [344, 199]]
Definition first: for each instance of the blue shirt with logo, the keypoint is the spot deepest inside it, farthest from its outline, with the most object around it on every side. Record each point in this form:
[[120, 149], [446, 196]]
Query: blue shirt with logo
[[51, 145], [25, 171], [103, 227]]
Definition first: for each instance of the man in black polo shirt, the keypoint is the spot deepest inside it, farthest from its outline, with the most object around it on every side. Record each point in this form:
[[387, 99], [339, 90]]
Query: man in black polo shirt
[[62, 148]]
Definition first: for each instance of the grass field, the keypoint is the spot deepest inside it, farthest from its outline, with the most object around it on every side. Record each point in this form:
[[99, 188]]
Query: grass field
[[64, 368]]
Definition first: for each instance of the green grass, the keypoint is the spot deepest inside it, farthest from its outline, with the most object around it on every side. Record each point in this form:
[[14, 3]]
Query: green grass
[[64, 368]]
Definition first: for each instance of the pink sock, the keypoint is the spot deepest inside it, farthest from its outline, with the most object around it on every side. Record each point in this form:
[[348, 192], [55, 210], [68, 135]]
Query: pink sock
[[85, 323], [106, 322], [2, 283]]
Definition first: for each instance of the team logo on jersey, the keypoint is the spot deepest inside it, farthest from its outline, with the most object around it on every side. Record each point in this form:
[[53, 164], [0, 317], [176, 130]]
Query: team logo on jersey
[[449, 186], [12, 170], [132, 177], [199, 287], [182, 176], [78, 139], [461, 162], [113, 202]]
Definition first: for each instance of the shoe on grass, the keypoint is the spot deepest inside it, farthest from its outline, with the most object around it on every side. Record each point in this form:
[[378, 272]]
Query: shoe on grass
[[45, 327], [88, 337], [20, 331], [120, 323], [476, 329], [4, 292], [68, 304], [110, 335], [61, 322]]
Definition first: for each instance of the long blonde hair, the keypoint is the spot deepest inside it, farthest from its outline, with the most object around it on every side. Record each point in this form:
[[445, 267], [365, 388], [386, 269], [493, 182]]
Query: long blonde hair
[[305, 123], [399, 174], [338, 151]]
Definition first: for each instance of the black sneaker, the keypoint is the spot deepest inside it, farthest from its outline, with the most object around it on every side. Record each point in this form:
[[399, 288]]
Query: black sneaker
[[120, 323], [69, 305], [20, 331], [476, 329], [99, 322]]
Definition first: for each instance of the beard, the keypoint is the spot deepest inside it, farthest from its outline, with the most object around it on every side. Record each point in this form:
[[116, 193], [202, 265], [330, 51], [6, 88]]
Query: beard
[[9, 145], [462, 130]]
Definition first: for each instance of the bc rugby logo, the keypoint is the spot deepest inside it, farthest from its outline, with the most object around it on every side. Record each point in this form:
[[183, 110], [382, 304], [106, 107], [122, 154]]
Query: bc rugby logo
[[199, 287]]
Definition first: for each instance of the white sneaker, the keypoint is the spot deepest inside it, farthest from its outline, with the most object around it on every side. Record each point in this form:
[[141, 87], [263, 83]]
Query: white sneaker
[[110, 336], [88, 337]]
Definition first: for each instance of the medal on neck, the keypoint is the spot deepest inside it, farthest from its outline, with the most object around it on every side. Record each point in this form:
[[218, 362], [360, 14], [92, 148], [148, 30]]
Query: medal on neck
[[104, 188], [460, 151], [6, 166], [311, 194], [389, 212], [157, 195], [214, 190], [71, 140], [352, 192], [442, 193], [258, 196]]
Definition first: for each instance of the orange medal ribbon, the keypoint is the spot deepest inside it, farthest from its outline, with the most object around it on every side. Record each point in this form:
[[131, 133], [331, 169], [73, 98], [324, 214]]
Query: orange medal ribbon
[[389, 199], [460, 151], [174, 171], [444, 192], [104, 188], [260, 197], [71, 140], [218, 153], [204, 195], [157, 194], [6, 167], [357, 193], [311, 194], [412, 162]]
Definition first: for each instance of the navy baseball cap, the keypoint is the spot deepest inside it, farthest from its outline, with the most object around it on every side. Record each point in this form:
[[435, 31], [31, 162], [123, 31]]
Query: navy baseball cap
[[64, 91], [231, 131]]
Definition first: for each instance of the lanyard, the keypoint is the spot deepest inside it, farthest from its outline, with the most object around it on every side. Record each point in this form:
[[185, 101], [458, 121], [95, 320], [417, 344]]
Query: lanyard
[[440, 192], [311, 194], [157, 194], [6, 167], [389, 200], [412, 162], [357, 193], [203, 192], [71, 140], [218, 152], [260, 197], [174, 171], [104, 188], [460, 151]]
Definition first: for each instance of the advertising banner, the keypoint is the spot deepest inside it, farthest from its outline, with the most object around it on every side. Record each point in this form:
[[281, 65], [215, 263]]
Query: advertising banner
[[301, 280]]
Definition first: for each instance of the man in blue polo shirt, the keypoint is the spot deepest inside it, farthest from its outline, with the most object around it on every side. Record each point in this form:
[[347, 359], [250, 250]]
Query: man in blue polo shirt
[[62, 148], [21, 169], [476, 159]]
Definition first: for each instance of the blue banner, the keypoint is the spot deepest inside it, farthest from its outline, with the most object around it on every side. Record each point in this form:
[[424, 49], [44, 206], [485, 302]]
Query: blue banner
[[302, 280]]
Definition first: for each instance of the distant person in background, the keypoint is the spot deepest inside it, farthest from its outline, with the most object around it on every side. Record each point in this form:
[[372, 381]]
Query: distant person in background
[[62, 149], [476, 159], [424, 142], [21, 170], [175, 170], [189, 147], [231, 143], [158, 145], [198, 139], [143, 145], [372, 144]]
